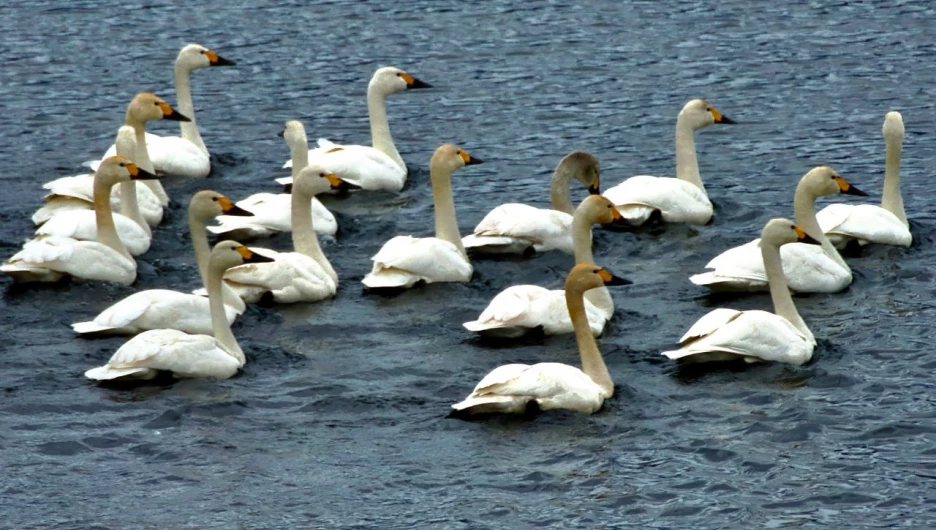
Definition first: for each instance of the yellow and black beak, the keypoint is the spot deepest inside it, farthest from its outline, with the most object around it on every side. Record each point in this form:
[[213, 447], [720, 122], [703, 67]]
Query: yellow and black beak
[[216, 60], [618, 219], [250, 256], [170, 113], [595, 188], [138, 174], [412, 82], [721, 118], [610, 279], [848, 189], [229, 208], [469, 160], [339, 184], [803, 237]]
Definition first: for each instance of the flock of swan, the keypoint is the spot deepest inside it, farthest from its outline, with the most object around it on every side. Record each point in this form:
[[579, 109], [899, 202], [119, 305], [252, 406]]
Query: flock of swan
[[80, 235]]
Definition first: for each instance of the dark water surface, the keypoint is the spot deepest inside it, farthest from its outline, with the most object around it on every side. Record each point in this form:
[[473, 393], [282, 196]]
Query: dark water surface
[[338, 419]]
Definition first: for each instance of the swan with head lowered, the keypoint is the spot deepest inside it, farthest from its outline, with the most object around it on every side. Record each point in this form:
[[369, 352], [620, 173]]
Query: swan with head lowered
[[405, 260], [304, 275], [183, 354], [808, 268], [520, 228], [164, 308], [511, 388], [49, 258], [520, 309], [77, 192], [675, 200], [754, 335], [372, 167], [184, 155], [867, 223], [272, 212]]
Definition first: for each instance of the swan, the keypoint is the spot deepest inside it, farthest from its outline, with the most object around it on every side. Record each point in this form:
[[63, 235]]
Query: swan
[[164, 308], [184, 155], [134, 232], [405, 260], [304, 275], [678, 200], [49, 258], [808, 268], [372, 168], [77, 192], [511, 387], [519, 228], [755, 335], [183, 354], [520, 308], [271, 211], [867, 223]]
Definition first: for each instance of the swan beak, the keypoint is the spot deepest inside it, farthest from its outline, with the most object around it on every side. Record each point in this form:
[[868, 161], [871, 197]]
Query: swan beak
[[610, 279], [250, 256], [229, 208], [595, 188], [469, 160], [803, 237], [412, 82], [139, 174], [216, 60], [721, 118], [618, 219], [340, 184], [170, 113], [848, 189], [282, 133]]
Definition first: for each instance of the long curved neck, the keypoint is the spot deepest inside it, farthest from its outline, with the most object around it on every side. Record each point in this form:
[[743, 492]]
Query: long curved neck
[[779, 292], [129, 206], [446, 225], [300, 157], [582, 244], [687, 166], [103, 216], [559, 192], [380, 127], [891, 200], [305, 241], [199, 237], [142, 158], [805, 210], [219, 324], [592, 362], [184, 101]]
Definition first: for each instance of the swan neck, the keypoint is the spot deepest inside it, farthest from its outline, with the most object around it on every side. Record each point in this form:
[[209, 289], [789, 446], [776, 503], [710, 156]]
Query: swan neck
[[300, 157], [592, 362], [104, 217], [199, 235], [142, 158], [219, 324], [891, 199], [446, 225], [687, 165], [559, 192], [804, 208], [779, 292], [305, 240], [130, 208], [186, 107], [380, 127], [582, 245]]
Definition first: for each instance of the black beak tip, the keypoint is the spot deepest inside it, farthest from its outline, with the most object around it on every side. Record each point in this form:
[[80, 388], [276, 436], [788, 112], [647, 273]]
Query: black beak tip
[[258, 258], [417, 83], [238, 211], [282, 133], [727, 120], [617, 280], [852, 190], [594, 190], [224, 62], [144, 175], [348, 186], [472, 161], [809, 240], [287, 188], [177, 116]]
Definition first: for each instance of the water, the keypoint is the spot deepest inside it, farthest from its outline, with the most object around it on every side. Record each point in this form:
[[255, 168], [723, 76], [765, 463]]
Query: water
[[338, 419]]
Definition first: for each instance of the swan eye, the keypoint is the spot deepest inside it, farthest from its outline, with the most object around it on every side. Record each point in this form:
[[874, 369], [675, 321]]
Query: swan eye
[[322, 175], [215, 199]]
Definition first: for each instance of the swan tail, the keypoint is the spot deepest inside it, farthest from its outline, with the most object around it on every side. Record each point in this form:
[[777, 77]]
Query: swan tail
[[26, 273], [90, 326], [720, 283], [491, 405], [108, 372], [389, 278]]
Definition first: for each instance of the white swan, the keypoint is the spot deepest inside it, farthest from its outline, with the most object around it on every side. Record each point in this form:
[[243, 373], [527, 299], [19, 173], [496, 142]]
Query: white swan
[[677, 200], [808, 268], [49, 258], [77, 192], [754, 335], [185, 355], [512, 387], [372, 168], [519, 228], [273, 212], [134, 233], [184, 155], [164, 308], [866, 223], [521, 308], [304, 275], [405, 260]]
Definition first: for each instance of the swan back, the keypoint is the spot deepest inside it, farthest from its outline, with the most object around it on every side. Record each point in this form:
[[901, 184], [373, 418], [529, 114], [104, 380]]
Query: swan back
[[390, 80]]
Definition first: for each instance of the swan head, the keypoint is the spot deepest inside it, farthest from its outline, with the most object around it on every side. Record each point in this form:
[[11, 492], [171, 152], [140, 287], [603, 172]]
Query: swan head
[[208, 204], [390, 80], [448, 158], [584, 167], [147, 107], [116, 169], [227, 254], [699, 113], [315, 179], [781, 231], [597, 209], [893, 126], [195, 56], [126, 141], [824, 180], [294, 134], [585, 276]]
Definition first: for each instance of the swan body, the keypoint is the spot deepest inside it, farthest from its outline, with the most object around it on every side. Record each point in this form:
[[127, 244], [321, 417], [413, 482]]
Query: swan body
[[679, 200], [522, 308], [755, 335], [404, 260], [808, 268], [376, 167], [185, 355], [164, 308], [77, 193], [867, 223], [510, 388]]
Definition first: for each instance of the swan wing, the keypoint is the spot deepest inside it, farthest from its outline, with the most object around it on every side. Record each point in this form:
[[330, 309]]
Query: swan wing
[[82, 259], [551, 385], [677, 200], [865, 222], [544, 229], [172, 155], [405, 260], [291, 277], [359, 164], [82, 225], [156, 309], [532, 306], [170, 350]]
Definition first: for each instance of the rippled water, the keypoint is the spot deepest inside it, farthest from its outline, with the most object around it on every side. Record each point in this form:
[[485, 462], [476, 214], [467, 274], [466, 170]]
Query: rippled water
[[338, 419]]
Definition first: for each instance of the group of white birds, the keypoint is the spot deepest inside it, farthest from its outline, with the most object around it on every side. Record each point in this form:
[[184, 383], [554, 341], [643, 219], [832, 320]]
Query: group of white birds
[[189, 334]]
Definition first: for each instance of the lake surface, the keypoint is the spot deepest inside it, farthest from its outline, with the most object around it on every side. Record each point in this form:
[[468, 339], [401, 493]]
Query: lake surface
[[339, 418]]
